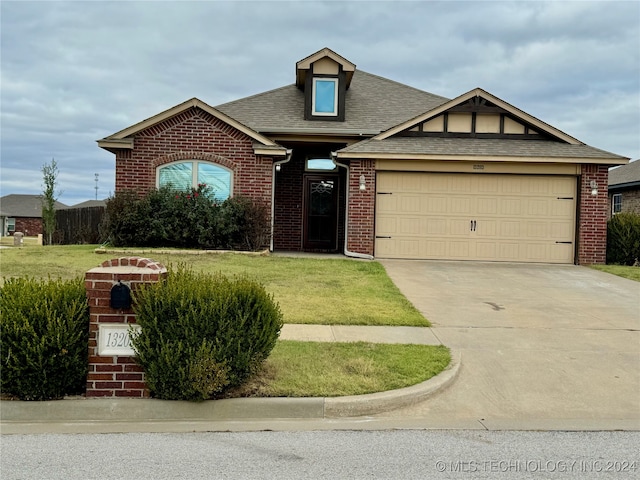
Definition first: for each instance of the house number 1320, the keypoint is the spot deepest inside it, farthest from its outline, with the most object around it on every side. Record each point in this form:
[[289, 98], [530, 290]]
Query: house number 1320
[[118, 339]]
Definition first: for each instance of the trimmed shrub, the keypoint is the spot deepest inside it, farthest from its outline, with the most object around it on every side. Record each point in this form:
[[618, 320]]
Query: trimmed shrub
[[203, 334], [623, 239], [189, 219], [44, 338]]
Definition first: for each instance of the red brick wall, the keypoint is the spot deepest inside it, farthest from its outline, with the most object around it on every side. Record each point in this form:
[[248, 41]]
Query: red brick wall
[[115, 376], [592, 216], [287, 234], [194, 134], [28, 226], [361, 220]]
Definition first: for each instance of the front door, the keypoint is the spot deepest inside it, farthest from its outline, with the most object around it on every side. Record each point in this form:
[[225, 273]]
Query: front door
[[320, 212]]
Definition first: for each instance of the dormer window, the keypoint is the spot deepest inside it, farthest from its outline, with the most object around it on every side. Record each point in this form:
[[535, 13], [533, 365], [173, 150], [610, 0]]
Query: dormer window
[[325, 97], [324, 77]]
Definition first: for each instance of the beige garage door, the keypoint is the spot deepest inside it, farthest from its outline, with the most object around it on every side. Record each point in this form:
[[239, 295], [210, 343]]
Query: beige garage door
[[521, 218]]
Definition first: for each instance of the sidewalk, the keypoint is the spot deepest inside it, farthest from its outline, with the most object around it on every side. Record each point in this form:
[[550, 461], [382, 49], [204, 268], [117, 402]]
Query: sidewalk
[[125, 415]]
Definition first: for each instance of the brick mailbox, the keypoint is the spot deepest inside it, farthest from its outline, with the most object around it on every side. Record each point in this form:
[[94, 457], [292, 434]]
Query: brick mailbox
[[113, 371]]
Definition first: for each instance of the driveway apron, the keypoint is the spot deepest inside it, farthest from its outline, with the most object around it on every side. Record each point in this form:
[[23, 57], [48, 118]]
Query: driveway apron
[[541, 343]]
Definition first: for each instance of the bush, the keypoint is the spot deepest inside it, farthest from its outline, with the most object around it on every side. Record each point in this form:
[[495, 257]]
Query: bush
[[44, 338], [203, 334], [188, 219], [623, 239]]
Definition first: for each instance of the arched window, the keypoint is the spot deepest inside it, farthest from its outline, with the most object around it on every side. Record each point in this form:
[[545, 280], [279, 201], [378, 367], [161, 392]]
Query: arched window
[[191, 173]]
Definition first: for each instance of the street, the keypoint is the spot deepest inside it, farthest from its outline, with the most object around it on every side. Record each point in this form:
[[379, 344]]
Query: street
[[389, 454]]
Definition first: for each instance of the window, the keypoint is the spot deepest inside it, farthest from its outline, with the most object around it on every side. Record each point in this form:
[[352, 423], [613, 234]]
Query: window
[[616, 204], [320, 164], [11, 224], [190, 174], [325, 97]]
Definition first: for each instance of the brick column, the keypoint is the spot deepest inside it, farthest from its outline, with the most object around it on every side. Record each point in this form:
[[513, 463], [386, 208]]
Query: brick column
[[115, 375], [592, 225], [361, 207]]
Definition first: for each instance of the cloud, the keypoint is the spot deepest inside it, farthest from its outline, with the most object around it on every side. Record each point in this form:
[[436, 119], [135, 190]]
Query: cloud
[[74, 72]]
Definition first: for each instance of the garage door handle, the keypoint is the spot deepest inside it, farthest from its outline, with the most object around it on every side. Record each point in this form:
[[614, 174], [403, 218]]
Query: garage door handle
[[384, 193], [566, 243], [473, 225], [378, 236], [564, 198]]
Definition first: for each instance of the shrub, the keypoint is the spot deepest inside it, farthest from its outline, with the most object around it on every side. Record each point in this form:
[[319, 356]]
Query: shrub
[[44, 338], [190, 219], [202, 334], [623, 239]]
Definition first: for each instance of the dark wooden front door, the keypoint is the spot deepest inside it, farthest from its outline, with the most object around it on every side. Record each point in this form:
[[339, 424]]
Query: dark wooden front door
[[320, 212]]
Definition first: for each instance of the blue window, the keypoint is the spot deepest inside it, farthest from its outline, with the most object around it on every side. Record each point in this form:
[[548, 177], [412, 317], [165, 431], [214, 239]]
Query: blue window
[[190, 174], [323, 164], [325, 96]]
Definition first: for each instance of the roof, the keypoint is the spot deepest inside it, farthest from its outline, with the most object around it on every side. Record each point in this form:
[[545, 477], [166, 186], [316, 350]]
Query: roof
[[480, 93], [123, 138], [625, 176], [466, 148], [88, 204], [19, 205], [373, 105]]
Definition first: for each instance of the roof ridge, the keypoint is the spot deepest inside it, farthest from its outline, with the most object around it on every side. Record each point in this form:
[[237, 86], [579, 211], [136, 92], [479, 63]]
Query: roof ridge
[[403, 85]]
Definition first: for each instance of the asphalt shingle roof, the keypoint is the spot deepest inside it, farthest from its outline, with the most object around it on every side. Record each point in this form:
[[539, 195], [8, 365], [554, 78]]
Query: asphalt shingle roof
[[629, 173], [372, 104], [18, 205], [477, 146]]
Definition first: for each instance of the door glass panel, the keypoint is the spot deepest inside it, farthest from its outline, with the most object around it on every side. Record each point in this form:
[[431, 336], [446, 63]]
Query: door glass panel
[[321, 212]]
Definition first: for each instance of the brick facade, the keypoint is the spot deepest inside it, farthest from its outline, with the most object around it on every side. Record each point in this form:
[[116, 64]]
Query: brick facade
[[194, 135], [112, 375], [29, 226], [630, 200], [361, 207], [592, 216]]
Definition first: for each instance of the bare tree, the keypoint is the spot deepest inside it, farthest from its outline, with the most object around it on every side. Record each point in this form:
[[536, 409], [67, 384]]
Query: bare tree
[[49, 197]]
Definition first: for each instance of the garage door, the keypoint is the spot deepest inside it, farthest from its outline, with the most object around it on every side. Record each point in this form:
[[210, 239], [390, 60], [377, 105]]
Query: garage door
[[520, 218]]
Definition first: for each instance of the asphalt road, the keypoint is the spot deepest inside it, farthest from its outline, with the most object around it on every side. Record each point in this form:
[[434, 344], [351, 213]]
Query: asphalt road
[[400, 454]]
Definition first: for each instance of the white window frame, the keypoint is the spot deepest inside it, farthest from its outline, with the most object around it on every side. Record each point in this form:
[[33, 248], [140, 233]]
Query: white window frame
[[11, 222], [614, 197], [194, 172], [335, 98]]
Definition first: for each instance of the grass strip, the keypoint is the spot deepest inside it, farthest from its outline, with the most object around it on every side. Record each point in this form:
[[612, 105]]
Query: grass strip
[[317, 369]]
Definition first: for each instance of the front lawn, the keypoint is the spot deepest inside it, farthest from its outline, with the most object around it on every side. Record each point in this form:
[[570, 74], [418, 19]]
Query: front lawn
[[632, 273], [309, 290], [315, 369]]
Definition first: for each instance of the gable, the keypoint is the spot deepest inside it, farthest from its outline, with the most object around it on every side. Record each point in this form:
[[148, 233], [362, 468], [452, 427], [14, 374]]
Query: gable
[[478, 114], [124, 139]]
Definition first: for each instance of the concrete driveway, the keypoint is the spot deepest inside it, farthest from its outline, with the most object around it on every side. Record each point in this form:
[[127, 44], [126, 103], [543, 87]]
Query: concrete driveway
[[542, 345]]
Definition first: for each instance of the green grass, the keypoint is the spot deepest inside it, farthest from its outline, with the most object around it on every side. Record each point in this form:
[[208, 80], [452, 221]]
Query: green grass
[[315, 369], [309, 290], [632, 273]]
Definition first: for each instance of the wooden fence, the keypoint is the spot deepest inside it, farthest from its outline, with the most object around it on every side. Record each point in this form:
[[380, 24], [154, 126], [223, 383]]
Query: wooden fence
[[78, 225]]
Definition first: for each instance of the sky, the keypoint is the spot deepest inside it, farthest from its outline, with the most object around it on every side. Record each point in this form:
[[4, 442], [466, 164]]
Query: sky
[[75, 72]]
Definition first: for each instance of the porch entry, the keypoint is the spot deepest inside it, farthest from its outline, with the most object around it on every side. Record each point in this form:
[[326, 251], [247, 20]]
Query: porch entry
[[320, 213]]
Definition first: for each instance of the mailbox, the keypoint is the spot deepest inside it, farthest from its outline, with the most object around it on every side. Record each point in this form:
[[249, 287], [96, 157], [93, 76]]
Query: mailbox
[[120, 296]]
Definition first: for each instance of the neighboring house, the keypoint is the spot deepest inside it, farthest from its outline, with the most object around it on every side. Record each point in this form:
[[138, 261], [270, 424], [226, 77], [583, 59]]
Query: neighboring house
[[22, 213], [624, 189], [353, 162]]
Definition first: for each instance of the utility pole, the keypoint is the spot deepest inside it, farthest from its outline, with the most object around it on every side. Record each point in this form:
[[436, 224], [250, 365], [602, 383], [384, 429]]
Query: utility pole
[[96, 187]]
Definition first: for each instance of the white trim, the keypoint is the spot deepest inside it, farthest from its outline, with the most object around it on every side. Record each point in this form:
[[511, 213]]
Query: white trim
[[613, 203], [335, 97], [194, 172]]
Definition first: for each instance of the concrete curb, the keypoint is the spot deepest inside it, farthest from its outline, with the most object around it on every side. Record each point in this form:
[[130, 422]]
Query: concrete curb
[[373, 403], [127, 410]]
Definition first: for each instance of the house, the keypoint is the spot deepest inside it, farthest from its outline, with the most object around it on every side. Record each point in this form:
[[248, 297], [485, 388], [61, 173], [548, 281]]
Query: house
[[22, 213], [351, 162], [624, 189]]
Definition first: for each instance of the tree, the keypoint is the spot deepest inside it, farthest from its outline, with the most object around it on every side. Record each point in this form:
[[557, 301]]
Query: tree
[[49, 197]]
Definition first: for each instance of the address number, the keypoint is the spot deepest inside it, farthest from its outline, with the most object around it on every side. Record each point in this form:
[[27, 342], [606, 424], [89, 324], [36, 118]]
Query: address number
[[116, 339]]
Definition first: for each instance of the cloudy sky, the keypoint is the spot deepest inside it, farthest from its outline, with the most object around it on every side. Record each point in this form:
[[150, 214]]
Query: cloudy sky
[[75, 72]]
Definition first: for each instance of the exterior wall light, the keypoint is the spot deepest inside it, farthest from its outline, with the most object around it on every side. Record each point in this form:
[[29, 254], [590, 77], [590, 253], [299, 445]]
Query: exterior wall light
[[594, 188], [278, 167], [363, 183]]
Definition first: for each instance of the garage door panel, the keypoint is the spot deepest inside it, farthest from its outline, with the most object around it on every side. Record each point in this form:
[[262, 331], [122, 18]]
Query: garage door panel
[[481, 216]]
